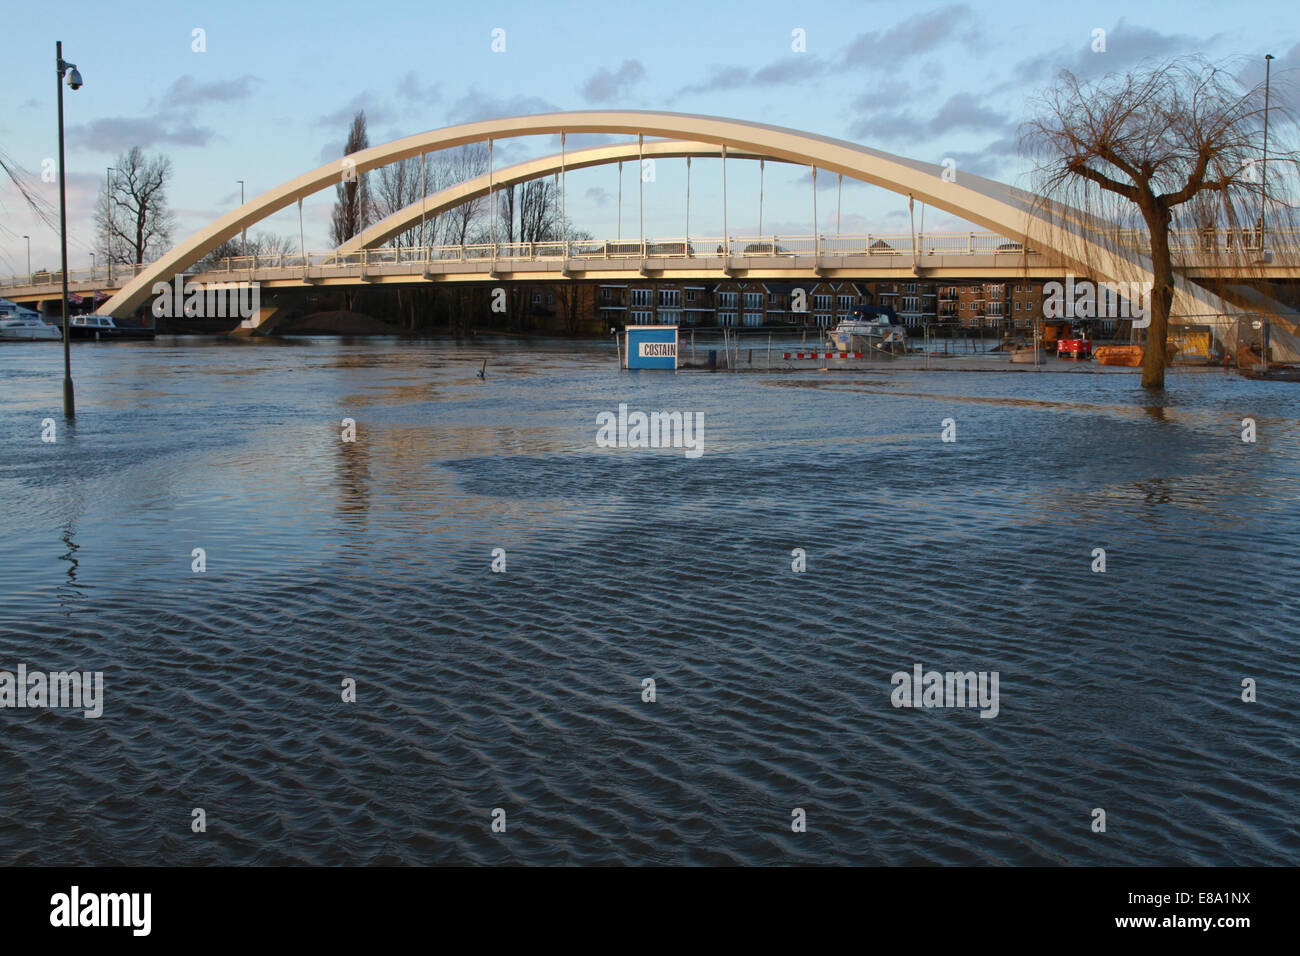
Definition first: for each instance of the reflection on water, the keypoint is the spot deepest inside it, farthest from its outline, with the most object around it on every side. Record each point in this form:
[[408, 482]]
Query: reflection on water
[[371, 560]]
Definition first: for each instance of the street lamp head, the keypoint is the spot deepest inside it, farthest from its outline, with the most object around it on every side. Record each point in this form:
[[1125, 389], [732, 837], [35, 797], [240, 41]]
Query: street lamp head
[[74, 79], [1268, 56]]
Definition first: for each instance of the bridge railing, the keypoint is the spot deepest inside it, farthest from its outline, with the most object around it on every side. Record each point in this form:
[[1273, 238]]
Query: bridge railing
[[1191, 247]]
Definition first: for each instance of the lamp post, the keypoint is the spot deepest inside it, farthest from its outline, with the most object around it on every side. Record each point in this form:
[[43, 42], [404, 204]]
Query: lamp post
[[92, 267], [243, 242], [108, 219], [29, 259], [1263, 176], [74, 81]]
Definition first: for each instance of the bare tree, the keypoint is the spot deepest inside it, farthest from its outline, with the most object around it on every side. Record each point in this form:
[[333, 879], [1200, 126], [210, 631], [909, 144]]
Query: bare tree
[[528, 212], [397, 186], [135, 220], [272, 244], [1172, 145], [352, 204], [456, 226], [260, 244]]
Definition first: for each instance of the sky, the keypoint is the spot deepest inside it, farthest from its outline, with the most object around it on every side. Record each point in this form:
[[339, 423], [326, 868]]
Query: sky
[[274, 88]]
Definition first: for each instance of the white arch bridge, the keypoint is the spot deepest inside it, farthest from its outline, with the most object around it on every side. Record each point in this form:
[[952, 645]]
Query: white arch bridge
[[1025, 237]]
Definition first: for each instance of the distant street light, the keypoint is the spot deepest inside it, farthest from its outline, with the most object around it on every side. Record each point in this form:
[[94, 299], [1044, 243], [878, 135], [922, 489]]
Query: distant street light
[[108, 218], [29, 259], [243, 242], [63, 68]]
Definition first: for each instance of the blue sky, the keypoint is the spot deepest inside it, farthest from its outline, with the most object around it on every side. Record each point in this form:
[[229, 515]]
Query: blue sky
[[272, 95]]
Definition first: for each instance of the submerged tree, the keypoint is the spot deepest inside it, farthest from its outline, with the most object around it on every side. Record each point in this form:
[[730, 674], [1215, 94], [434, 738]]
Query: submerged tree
[[1167, 146]]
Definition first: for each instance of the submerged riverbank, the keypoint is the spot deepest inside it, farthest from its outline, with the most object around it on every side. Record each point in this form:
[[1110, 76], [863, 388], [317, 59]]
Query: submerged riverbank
[[941, 520]]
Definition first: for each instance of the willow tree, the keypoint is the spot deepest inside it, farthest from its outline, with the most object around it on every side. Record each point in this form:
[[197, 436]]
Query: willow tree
[[1169, 146]]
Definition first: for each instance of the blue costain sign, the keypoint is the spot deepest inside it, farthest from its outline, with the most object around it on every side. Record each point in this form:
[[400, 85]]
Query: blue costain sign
[[651, 346]]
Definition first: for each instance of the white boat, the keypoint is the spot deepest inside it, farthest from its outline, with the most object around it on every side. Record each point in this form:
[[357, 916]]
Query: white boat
[[869, 329], [104, 327], [18, 324]]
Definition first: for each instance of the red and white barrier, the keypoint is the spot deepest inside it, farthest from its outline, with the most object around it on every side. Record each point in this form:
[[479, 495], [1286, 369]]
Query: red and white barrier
[[817, 355]]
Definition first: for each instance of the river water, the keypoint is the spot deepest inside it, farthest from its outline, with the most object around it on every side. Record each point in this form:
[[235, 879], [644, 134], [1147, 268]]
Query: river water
[[522, 689]]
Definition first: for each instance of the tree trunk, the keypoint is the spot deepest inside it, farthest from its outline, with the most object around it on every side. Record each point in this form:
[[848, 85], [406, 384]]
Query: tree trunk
[[1162, 297]]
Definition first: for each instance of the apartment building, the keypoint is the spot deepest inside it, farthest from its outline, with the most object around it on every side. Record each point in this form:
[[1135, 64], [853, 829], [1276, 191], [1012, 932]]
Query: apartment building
[[752, 303]]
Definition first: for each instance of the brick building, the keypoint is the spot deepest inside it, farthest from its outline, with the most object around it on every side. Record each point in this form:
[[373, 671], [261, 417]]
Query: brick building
[[754, 303]]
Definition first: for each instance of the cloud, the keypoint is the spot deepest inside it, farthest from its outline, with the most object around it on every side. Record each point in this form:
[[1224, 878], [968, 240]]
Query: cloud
[[187, 91], [376, 113], [114, 134], [409, 88], [1126, 46], [825, 180], [601, 197], [962, 112], [605, 85], [478, 105], [990, 161], [788, 69], [879, 49], [917, 34]]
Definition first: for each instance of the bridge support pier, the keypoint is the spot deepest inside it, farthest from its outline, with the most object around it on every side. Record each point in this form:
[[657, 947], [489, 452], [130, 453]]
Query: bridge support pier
[[261, 324]]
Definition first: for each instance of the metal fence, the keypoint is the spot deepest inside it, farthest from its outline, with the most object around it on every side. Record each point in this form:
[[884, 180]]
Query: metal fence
[[1247, 244]]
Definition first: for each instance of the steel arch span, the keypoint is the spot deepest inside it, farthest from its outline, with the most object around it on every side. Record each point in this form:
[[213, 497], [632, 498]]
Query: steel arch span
[[436, 203], [993, 205]]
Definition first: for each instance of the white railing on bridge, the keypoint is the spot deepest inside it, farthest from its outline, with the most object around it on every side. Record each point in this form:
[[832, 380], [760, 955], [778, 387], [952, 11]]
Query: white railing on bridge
[[1240, 242]]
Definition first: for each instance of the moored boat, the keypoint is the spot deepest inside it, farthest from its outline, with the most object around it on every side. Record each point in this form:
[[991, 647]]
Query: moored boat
[[869, 329], [28, 330], [105, 327], [19, 324]]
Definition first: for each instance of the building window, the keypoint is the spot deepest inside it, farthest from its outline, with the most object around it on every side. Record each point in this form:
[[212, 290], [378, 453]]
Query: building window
[[670, 318], [753, 318], [822, 302], [753, 300], [690, 295], [537, 298], [670, 297], [911, 303], [823, 320], [641, 296], [846, 303], [728, 300], [726, 318], [642, 318], [771, 298]]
